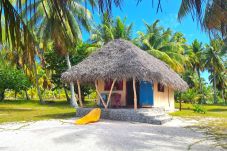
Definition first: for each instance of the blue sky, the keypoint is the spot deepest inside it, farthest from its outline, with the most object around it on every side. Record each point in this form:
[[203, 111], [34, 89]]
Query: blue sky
[[168, 18], [136, 14]]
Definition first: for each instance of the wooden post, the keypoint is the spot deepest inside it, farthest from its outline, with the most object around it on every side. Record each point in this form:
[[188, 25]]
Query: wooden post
[[180, 105], [111, 89], [79, 93], [168, 96], [103, 102], [135, 95]]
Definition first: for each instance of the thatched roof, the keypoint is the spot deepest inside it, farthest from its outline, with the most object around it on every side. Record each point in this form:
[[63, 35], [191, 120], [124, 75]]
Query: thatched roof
[[123, 60]]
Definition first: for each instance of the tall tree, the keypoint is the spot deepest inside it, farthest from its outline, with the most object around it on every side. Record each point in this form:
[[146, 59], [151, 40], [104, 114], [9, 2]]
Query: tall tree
[[197, 59], [110, 29], [164, 45], [214, 62], [212, 16], [222, 84], [57, 64], [64, 36]]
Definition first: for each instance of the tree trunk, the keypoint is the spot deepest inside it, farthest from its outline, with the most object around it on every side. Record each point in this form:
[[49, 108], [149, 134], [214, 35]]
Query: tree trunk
[[59, 94], [37, 85], [214, 87], [53, 95], [200, 87], [223, 96], [180, 105], [67, 96], [2, 95], [73, 98], [27, 97], [15, 95]]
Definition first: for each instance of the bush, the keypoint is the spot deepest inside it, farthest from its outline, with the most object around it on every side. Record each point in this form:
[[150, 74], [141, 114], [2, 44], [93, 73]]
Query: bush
[[12, 79], [199, 108]]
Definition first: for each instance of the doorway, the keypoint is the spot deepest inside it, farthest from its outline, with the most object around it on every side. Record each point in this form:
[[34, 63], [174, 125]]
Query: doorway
[[130, 93]]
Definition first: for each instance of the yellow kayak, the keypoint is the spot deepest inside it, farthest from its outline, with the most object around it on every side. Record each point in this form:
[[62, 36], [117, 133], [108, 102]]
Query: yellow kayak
[[92, 116]]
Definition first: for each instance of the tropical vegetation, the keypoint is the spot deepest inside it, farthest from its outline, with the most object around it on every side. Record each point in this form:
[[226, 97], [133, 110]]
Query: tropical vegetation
[[44, 38], [41, 39]]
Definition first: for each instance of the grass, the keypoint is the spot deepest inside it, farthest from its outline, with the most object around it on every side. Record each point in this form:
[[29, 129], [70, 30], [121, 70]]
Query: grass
[[215, 111], [214, 121], [21, 110]]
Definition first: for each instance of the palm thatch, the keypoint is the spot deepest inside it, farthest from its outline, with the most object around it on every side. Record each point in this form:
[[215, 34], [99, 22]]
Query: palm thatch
[[121, 59]]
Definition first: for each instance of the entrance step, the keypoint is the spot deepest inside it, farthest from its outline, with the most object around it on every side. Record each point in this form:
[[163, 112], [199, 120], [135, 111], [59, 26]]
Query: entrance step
[[155, 116]]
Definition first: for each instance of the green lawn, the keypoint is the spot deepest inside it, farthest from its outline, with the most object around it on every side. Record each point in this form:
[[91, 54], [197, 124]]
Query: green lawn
[[215, 111], [11, 111]]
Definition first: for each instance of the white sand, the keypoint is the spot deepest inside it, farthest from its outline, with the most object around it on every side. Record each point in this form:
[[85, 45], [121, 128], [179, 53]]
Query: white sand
[[63, 135]]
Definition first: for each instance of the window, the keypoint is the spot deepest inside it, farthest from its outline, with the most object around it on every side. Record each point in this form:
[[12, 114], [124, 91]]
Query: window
[[117, 86], [160, 87]]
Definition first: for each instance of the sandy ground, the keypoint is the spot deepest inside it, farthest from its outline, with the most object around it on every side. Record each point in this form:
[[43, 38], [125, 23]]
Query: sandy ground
[[63, 135]]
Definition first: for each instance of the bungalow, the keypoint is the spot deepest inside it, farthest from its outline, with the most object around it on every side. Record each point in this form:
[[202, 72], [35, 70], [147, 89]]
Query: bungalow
[[126, 76]]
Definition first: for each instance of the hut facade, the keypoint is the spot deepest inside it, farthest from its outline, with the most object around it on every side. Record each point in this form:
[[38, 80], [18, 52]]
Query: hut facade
[[149, 94], [126, 76]]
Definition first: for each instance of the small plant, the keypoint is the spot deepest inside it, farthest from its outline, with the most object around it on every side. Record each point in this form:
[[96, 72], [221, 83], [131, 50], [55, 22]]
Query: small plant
[[199, 108]]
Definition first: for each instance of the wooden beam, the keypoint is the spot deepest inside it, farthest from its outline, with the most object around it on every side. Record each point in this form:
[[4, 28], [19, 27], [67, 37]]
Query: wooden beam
[[135, 95], [103, 102], [79, 93], [168, 96], [111, 89]]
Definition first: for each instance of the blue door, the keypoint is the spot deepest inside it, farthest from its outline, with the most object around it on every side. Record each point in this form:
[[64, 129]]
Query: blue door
[[146, 93]]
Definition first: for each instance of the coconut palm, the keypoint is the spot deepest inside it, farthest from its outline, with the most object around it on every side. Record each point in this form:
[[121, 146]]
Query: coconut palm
[[197, 59], [198, 56], [48, 26], [164, 45], [110, 29], [212, 17], [214, 62], [222, 84], [17, 31]]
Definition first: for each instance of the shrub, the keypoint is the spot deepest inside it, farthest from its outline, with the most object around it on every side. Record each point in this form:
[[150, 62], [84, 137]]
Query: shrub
[[199, 108], [12, 79]]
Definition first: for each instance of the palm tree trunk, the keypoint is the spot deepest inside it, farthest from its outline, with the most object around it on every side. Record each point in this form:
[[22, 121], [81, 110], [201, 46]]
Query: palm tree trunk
[[201, 88], [37, 85], [73, 98], [2, 95], [66, 94], [214, 87], [15, 95], [27, 97], [53, 95], [223, 96], [180, 104]]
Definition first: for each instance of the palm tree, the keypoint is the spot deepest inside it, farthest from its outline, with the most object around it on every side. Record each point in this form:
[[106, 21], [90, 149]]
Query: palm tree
[[17, 32], [214, 62], [64, 36], [222, 85], [164, 45], [110, 29], [197, 59], [212, 17]]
